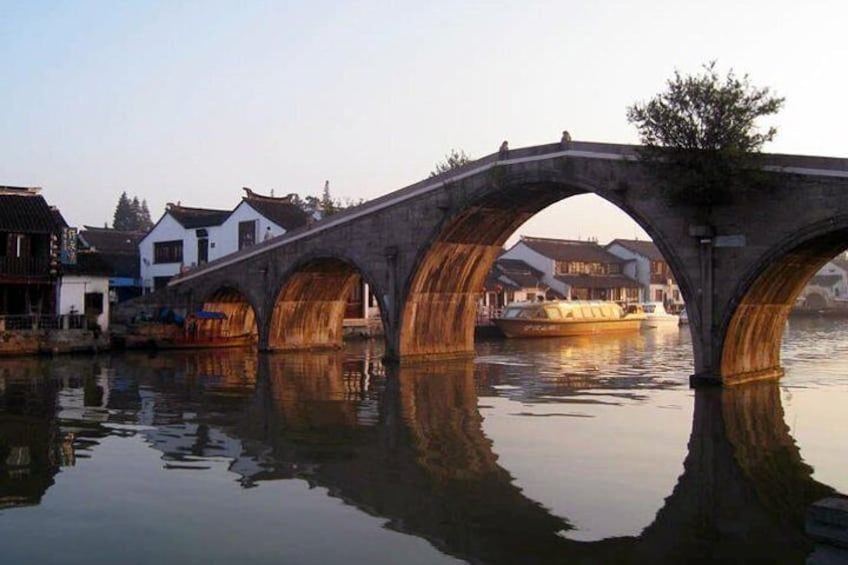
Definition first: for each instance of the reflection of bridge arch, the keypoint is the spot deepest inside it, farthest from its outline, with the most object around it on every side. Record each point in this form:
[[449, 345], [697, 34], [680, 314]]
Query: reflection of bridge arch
[[411, 450], [757, 316], [742, 495], [309, 303]]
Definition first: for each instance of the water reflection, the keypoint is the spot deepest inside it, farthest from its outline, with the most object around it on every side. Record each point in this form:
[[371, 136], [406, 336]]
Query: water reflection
[[406, 445]]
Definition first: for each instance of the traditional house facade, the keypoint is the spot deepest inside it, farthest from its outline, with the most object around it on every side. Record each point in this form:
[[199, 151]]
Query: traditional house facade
[[576, 270], [30, 235], [645, 263], [185, 237]]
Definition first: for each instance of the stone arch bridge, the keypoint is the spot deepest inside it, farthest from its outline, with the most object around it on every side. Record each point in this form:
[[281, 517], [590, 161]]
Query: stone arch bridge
[[426, 249]]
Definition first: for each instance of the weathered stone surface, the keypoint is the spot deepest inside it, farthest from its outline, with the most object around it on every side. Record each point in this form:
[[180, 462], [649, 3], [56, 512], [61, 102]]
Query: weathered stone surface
[[426, 248]]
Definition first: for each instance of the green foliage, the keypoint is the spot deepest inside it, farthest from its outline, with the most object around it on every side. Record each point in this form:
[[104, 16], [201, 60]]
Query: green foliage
[[701, 136], [324, 206], [453, 160], [131, 215]]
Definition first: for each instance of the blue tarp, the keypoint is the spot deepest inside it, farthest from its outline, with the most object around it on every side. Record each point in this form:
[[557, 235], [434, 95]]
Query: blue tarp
[[204, 315]]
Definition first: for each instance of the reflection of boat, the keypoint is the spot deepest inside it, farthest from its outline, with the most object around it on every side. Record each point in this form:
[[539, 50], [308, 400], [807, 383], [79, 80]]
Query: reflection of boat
[[200, 329], [566, 317], [656, 314]]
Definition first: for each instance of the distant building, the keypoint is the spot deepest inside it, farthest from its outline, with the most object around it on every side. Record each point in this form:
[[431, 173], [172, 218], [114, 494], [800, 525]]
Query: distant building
[[645, 263], [511, 280], [576, 269], [84, 291], [828, 288], [186, 237], [118, 251]]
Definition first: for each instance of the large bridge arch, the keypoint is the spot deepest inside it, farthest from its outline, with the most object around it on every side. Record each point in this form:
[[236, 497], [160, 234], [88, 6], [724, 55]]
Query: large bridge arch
[[308, 303], [439, 298], [756, 317]]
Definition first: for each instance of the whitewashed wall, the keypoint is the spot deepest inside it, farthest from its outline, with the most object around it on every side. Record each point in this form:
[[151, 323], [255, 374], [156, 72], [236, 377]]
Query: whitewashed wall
[[166, 229], [226, 238], [223, 240], [72, 296]]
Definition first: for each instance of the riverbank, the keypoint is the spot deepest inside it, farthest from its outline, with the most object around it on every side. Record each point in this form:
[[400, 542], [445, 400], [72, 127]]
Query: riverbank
[[51, 342]]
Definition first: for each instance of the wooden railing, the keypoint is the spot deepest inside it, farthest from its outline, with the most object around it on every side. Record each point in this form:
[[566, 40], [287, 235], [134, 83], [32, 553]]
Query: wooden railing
[[28, 266], [39, 322]]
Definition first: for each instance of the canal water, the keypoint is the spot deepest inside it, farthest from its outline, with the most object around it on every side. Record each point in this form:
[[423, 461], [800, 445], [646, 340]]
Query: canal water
[[588, 450]]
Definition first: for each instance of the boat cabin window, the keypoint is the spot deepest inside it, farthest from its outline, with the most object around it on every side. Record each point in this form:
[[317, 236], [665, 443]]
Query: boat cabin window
[[553, 313], [649, 308]]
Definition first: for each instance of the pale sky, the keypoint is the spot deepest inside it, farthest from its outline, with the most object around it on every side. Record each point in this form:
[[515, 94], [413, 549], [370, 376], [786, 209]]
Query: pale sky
[[190, 101]]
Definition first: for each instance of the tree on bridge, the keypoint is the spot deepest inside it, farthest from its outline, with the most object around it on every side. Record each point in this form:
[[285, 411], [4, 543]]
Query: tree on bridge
[[701, 136], [453, 160]]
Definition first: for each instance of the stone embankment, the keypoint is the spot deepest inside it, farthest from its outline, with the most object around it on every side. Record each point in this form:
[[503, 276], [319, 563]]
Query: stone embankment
[[51, 341]]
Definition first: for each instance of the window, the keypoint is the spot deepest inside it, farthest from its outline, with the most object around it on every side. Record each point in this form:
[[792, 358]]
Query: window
[[160, 282], [246, 234], [168, 251]]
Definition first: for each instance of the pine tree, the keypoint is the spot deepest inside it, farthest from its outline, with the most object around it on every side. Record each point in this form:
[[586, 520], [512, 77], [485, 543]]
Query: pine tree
[[145, 223], [123, 218], [131, 215]]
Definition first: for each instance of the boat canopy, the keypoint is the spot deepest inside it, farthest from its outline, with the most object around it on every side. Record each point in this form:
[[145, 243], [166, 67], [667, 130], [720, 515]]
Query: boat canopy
[[563, 310]]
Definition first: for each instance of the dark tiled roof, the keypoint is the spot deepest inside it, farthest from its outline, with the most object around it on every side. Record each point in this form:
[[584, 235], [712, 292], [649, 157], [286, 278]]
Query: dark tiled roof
[[122, 264], [825, 280], [89, 264], [493, 283], [645, 248], [107, 240], [518, 272], [598, 281], [58, 219], [191, 218], [570, 250], [26, 213], [841, 261], [279, 210]]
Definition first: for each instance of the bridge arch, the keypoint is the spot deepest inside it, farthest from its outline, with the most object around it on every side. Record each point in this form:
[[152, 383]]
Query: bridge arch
[[756, 317], [309, 302], [439, 299], [237, 305]]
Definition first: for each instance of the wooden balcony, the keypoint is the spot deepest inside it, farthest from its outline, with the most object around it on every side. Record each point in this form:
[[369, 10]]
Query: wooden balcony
[[24, 266]]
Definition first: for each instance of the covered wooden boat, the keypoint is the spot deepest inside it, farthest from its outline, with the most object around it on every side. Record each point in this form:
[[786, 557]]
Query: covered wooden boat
[[199, 330], [567, 318]]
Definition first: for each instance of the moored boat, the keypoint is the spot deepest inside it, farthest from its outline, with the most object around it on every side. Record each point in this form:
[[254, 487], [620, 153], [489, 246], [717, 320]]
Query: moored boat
[[199, 330], [656, 314], [566, 318]]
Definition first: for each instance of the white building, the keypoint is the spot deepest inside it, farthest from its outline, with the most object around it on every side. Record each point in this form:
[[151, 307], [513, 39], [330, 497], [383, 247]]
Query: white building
[[828, 288], [84, 291], [576, 270], [186, 237], [645, 263]]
